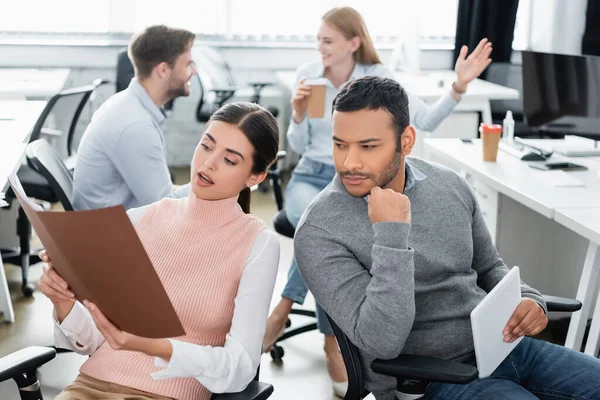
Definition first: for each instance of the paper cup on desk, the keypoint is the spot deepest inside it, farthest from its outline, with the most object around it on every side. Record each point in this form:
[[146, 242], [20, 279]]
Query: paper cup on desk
[[316, 99], [490, 138]]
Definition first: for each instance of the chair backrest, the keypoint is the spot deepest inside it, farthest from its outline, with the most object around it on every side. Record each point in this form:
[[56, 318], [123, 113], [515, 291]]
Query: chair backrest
[[356, 382], [213, 73], [125, 71], [66, 107], [212, 68], [44, 159]]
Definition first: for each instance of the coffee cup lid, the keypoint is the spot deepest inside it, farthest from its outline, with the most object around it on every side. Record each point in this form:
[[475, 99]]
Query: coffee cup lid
[[490, 128], [315, 81]]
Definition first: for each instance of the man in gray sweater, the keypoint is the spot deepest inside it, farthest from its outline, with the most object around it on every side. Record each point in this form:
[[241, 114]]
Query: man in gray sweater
[[397, 252]]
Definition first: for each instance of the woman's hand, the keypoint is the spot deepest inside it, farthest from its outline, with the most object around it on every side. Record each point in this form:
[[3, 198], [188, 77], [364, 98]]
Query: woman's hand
[[300, 101], [469, 68], [119, 340], [54, 287]]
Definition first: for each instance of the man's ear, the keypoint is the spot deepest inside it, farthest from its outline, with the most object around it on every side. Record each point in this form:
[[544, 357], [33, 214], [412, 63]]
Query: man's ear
[[162, 70], [409, 136]]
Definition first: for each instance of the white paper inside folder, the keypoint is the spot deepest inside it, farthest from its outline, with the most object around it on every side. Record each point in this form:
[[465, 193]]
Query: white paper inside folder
[[17, 188]]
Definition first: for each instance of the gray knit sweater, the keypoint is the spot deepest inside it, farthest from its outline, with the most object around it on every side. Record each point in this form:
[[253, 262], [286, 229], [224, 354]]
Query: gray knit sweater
[[397, 288]]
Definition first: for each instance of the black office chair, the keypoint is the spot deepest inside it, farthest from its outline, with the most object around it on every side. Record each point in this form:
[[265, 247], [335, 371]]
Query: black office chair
[[283, 227], [22, 365], [414, 373], [46, 161], [35, 185], [217, 84]]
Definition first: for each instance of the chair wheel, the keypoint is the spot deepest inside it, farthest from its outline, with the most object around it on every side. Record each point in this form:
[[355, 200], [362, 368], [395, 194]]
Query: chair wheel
[[277, 353], [27, 290]]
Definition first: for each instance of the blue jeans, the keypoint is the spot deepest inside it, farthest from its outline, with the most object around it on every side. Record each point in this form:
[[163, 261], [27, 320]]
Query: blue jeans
[[308, 180], [534, 370]]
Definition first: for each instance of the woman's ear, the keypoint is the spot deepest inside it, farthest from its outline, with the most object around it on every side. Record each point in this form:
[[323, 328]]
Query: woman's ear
[[255, 179], [355, 43]]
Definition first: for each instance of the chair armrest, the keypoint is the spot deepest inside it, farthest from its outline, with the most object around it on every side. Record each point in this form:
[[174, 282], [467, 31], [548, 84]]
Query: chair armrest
[[51, 132], [425, 369], [555, 303], [24, 361], [259, 83], [218, 89], [255, 391]]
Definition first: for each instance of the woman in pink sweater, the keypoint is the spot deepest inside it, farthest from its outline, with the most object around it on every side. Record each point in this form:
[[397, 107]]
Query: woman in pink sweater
[[217, 263]]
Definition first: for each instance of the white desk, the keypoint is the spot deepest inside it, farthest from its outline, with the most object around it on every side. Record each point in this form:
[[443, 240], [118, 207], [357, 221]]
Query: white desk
[[515, 179], [31, 84], [586, 222], [431, 86], [427, 87], [537, 237], [17, 119]]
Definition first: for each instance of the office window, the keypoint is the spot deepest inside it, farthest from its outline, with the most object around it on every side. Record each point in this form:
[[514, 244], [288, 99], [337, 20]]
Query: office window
[[207, 17], [385, 19], [269, 20], [262, 19], [62, 16]]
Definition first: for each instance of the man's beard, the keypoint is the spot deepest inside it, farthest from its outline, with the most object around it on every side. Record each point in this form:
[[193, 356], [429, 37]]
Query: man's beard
[[383, 178], [180, 90]]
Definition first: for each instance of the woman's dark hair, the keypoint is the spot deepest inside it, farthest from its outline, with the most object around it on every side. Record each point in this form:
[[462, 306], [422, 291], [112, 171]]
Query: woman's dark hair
[[260, 127]]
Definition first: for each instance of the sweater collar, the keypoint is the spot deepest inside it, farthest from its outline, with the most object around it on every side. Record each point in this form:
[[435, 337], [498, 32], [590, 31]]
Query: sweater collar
[[212, 213]]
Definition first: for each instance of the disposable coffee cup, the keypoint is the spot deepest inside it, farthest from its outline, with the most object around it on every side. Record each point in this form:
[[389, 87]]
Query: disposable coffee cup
[[490, 138], [316, 99]]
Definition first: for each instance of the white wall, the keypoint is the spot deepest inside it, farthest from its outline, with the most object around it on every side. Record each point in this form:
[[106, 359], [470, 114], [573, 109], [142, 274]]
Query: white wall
[[241, 58]]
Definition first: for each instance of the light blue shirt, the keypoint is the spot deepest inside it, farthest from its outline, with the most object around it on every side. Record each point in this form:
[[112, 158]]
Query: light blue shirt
[[312, 137], [121, 157]]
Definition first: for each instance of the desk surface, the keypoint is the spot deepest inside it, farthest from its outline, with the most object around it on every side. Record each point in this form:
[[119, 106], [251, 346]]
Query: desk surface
[[583, 221], [432, 85], [426, 85], [17, 119], [20, 83], [515, 179]]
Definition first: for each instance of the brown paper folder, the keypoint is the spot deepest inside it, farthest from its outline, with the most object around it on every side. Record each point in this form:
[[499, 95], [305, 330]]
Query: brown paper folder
[[100, 255]]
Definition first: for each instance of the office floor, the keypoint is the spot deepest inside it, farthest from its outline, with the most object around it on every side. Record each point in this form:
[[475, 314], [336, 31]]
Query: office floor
[[301, 376]]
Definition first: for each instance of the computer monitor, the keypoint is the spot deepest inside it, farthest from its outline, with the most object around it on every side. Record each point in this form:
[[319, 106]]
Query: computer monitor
[[561, 93]]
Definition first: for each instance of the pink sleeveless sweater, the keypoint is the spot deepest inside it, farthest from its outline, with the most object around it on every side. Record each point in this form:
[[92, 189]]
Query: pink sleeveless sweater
[[199, 249]]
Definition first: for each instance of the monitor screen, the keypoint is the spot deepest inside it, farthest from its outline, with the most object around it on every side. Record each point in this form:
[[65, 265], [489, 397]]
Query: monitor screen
[[561, 93]]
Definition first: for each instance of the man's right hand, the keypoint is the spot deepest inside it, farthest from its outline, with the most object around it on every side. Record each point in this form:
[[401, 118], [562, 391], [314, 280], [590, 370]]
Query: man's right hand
[[386, 205], [53, 286], [300, 101]]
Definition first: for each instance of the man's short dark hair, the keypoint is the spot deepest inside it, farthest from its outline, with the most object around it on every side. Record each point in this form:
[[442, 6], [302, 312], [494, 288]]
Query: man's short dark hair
[[157, 44], [374, 93]]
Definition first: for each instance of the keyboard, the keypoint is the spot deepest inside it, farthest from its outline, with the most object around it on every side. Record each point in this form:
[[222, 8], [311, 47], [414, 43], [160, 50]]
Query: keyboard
[[524, 151]]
